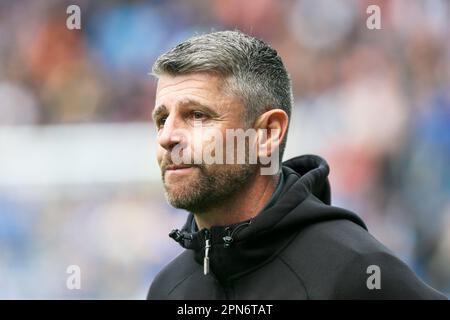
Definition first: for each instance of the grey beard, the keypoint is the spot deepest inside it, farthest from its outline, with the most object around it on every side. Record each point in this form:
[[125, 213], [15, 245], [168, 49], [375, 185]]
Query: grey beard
[[212, 188]]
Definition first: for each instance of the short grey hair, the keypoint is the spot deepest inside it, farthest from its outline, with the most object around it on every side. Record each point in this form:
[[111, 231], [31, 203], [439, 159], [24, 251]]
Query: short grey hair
[[251, 69]]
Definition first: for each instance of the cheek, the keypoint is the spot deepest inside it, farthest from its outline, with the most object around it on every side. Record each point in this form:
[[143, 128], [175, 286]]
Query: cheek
[[197, 139], [211, 139]]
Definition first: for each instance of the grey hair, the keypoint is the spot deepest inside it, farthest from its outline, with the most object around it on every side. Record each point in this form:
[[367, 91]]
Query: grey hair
[[251, 69]]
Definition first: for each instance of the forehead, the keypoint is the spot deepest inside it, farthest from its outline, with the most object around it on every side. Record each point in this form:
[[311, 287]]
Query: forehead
[[197, 86]]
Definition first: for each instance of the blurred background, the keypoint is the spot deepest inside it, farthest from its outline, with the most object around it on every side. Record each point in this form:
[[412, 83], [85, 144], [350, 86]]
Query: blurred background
[[79, 183]]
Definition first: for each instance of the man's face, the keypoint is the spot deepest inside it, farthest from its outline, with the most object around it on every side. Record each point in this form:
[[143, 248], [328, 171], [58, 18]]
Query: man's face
[[190, 111]]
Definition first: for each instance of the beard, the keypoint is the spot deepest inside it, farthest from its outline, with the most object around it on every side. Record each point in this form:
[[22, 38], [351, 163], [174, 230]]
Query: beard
[[208, 186]]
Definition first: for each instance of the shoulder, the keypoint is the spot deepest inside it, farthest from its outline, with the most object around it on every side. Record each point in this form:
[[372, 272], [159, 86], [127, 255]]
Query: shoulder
[[380, 275], [178, 270], [339, 259]]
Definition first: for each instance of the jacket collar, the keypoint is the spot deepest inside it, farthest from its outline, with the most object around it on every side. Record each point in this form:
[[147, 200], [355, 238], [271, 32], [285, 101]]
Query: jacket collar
[[234, 249]]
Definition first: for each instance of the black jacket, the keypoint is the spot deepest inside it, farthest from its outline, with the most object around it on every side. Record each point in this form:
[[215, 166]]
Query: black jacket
[[300, 247]]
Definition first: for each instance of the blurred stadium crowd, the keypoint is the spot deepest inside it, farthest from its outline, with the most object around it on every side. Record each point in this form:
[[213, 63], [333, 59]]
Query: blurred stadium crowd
[[374, 103]]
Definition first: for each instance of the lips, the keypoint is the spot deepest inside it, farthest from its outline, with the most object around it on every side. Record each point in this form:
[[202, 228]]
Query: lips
[[178, 170], [177, 167]]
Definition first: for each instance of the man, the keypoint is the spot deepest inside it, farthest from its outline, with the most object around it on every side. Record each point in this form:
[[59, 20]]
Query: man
[[249, 234]]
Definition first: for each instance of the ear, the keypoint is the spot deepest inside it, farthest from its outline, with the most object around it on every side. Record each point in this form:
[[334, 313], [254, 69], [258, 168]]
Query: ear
[[271, 127]]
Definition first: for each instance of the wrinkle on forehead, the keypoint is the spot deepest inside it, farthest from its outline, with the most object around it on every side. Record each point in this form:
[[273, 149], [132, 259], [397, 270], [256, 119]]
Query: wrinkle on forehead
[[206, 88], [195, 81]]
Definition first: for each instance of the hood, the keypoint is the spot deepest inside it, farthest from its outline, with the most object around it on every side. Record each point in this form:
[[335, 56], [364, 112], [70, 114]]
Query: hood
[[304, 199]]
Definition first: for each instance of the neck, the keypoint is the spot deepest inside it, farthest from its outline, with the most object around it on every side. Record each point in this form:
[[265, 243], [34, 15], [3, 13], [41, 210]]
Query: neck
[[245, 204]]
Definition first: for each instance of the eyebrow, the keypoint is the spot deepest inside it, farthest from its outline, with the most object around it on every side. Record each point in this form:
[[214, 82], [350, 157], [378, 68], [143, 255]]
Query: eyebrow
[[162, 109], [158, 111]]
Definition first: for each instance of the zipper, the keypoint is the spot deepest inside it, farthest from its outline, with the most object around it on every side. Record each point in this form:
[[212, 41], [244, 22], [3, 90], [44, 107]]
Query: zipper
[[228, 239], [207, 248]]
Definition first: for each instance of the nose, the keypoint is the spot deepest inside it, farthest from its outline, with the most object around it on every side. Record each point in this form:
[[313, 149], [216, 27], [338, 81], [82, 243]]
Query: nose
[[169, 135]]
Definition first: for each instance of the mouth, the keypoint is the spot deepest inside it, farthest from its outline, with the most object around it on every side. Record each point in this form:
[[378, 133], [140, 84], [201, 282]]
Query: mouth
[[178, 169]]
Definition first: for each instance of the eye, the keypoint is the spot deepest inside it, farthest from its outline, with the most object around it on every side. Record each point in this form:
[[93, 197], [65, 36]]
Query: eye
[[160, 122], [197, 115]]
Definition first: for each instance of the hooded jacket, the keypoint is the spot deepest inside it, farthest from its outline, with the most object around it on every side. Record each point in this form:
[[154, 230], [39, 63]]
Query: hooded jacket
[[297, 247]]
